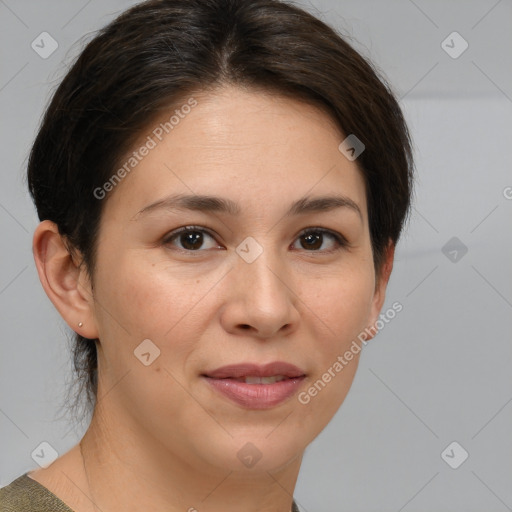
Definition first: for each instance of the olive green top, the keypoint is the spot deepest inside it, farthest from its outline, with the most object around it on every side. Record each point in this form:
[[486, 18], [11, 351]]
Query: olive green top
[[26, 495]]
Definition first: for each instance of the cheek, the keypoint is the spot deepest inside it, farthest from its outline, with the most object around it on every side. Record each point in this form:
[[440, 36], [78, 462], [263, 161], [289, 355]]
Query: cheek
[[147, 298], [340, 310], [152, 300], [343, 303], [141, 301]]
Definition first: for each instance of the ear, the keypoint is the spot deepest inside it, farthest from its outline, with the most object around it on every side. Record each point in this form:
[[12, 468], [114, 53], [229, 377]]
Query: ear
[[64, 280], [381, 284]]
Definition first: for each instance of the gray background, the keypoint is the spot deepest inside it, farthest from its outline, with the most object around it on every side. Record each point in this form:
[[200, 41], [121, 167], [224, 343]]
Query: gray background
[[439, 372]]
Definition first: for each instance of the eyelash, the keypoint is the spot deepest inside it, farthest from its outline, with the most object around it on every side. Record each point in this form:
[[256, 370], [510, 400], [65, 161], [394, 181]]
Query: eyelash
[[339, 239]]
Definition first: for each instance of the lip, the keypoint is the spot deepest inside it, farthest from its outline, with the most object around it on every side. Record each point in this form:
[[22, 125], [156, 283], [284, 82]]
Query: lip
[[236, 371], [256, 396]]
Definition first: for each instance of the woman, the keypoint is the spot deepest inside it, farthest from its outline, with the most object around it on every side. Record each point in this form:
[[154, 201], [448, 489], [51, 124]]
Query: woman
[[221, 185]]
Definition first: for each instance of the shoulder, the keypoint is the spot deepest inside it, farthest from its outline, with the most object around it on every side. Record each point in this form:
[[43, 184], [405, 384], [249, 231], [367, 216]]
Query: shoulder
[[26, 495]]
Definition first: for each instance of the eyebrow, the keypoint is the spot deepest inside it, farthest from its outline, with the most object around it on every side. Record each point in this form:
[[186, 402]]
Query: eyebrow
[[205, 203]]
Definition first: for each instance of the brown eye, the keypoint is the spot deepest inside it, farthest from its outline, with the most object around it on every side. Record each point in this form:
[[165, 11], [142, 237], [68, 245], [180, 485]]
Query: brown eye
[[313, 240], [191, 238]]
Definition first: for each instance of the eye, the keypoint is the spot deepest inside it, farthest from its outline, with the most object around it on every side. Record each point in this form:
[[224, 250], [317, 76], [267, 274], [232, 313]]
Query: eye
[[191, 238], [313, 239]]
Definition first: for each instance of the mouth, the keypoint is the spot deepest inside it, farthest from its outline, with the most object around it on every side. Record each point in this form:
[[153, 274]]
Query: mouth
[[256, 387], [254, 379]]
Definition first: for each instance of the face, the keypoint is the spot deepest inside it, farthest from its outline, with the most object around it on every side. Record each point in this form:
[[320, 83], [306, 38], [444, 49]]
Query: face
[[281, 279]]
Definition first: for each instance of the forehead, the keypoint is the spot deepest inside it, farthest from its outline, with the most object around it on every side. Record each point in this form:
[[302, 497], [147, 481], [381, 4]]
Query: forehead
[[259, 148]]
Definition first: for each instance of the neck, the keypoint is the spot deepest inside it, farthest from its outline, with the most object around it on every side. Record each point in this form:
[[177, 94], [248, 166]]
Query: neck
[[127, 469]]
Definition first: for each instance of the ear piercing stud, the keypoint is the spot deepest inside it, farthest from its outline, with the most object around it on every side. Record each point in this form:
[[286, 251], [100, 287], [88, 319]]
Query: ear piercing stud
[[80, 324]]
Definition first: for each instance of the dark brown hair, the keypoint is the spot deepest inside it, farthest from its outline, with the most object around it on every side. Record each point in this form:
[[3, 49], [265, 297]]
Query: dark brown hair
[[161, 51]]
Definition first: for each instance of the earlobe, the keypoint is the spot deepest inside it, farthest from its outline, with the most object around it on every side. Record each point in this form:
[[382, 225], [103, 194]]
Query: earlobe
[[62, 279]]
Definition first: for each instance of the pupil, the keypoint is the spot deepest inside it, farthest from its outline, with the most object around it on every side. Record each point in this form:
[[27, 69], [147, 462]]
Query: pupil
[[315, 239], [190, 240]]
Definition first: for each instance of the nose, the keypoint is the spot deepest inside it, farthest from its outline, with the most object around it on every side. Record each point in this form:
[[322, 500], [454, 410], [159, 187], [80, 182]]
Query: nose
[[262, 301]]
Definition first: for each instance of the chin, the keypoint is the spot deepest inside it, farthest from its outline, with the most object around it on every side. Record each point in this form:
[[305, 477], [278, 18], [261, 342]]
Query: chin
[[257, 452]]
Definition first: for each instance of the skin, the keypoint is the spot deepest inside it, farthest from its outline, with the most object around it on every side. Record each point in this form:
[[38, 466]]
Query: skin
[[161, 439]]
